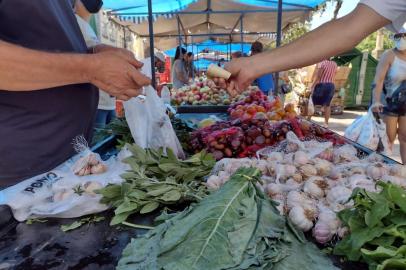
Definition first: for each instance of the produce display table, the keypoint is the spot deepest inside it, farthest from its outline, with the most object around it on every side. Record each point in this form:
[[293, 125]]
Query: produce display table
[[95, 246]]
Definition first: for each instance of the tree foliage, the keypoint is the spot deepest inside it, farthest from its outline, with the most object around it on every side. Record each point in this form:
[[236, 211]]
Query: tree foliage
[[369, 43]]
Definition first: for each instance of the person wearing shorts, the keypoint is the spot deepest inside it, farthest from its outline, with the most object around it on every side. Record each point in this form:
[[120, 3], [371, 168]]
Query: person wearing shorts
[[390, 79], [324, 88]]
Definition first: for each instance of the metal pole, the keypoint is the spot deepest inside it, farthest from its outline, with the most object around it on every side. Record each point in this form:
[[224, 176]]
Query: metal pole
[[179, 35], [278, 41], [241, 32], [151, 42]]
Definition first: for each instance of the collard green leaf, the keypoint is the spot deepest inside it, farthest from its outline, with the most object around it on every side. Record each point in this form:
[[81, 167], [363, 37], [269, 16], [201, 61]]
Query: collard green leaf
[[126, 206], [149, 207], [379, 254], [117, 219], [234, 228], [351, 245], [171, 196], [393, 264], [397, 195], [110, 191]]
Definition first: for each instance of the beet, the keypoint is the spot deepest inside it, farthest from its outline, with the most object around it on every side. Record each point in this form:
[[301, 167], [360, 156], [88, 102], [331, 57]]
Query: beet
[[260, 140], [228, 152], [218, 155]]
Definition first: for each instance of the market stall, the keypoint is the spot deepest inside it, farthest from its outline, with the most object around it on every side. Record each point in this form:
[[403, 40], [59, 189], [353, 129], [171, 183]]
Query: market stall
[[305, 180], [253, 187]]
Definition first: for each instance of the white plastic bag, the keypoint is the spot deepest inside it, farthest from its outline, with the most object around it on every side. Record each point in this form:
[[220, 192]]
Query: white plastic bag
[[60, 193], [354, 130], [369, 136], [149, 124], [383, 136], [310, 107]]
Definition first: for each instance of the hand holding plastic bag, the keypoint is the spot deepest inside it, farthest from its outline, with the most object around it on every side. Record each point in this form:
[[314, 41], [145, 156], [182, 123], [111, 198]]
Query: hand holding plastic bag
[[369, 132], [149, 124]]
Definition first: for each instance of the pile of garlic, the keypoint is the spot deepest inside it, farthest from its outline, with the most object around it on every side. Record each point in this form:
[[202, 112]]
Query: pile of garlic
[[311, 190]]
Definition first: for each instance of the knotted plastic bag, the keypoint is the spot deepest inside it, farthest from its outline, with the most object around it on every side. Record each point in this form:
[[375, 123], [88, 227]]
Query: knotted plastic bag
[[149, 124]]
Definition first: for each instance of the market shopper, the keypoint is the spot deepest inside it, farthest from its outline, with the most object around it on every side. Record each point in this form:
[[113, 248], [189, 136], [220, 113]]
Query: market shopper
[[330, 39], [45, 75], [106, 109], [190, 66], [179, 72], [159, 64], [389, 86], [323, 87], [265, 82]]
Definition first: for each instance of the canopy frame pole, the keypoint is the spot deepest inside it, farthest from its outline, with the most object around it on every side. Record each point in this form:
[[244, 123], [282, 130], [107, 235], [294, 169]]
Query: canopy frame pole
[[208, 11], [278, 41], [151, 43], [242, 31], [183, 28], [209, 34], [179, 35]]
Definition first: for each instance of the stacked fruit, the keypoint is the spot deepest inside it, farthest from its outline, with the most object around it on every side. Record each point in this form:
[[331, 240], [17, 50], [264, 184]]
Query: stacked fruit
[[243, 138], [204, 92], [257, 105]]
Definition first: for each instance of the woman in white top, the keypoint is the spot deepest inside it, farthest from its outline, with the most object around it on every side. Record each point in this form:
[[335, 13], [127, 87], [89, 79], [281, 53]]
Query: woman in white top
[[107, 103], [390, 74]]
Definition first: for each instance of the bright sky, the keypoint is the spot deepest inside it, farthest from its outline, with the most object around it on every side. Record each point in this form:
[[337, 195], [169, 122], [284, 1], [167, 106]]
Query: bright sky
[[347, 7]]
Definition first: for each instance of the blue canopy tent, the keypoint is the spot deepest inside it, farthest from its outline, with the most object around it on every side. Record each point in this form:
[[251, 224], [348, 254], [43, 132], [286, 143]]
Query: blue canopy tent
[[171, 22]]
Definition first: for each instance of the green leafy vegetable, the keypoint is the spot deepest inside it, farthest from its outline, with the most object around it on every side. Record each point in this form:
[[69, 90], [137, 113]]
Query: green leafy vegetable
[[378, 228], [31, 221], [81, 222], [234, 228], [155, 180]]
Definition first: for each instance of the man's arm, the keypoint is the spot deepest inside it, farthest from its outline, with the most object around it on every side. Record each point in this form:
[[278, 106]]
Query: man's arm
[[329, 39], [23, 69]]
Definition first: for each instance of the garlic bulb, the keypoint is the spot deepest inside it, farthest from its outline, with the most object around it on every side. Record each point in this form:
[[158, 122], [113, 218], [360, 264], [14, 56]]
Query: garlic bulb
[[315, 187], [291, 184], [300, 158], [91, 186], [322, 166], [308, 170], [301, 218], [322, 233], [296, 198], [338, 195], [395, 180], [361, 181], [285, 171], [357, 170], [326, 226], [213, 182], [327, 154], [98, 169], [376, 171], [335, 173], [63, 195], [297, 177], [275, 156], [398, 170], [274, 188], [342, 232]]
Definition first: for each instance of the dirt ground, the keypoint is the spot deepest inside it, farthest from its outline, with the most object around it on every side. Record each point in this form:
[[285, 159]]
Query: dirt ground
[[339, 123]]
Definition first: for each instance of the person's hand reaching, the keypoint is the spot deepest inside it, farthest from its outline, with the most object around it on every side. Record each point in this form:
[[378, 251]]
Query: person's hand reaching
[[241, 73]]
